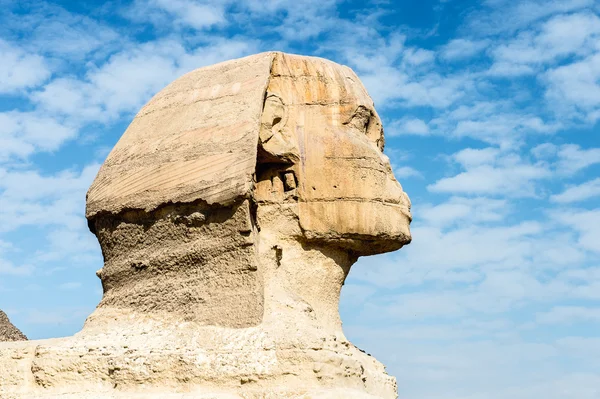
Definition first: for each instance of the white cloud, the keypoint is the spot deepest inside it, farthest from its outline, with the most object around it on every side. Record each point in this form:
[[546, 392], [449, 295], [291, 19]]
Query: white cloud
[[497, 122], [8, 268], [389, 84], [404, 172], [73, 285], [73, 241], [585, 222], [513, 181], [464, 211], [507, 16], [544, 151], [559, 37], [580, 192], [488, 172], [51, 208], [294, 21], [274, 6], [568, 314], [394, 73], [181, 13], [194, 14], [24, 133], [129, 78], [576, 86], [298, 20], [439, 356], [54, 317], [459, 49], [29, 198], [507, 69], [502, 128], [470, 157], [584, 348], [464, 247], [62, 36], [355, 294], [418, 56], [560, 53], [568, 34], [407, 126], [572, 158], [567, 159], [19, 69]]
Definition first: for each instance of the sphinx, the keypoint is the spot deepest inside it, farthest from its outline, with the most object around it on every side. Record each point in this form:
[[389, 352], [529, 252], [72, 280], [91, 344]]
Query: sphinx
[[229, 215]]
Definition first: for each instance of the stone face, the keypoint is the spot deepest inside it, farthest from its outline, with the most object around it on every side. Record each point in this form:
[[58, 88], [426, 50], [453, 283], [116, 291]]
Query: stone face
[[347, 193], [229, 215], [8, 332]]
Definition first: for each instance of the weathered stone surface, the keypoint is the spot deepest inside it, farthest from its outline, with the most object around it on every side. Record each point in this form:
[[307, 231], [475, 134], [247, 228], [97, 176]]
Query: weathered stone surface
[[195, 139], [229, 215], [8, 332]]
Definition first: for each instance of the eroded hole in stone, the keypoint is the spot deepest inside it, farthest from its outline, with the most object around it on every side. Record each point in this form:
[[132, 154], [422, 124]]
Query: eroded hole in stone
[[278, 254], [139, 266]]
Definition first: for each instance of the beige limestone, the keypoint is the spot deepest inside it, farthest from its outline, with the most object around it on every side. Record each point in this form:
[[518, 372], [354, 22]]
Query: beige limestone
[[229, 215]]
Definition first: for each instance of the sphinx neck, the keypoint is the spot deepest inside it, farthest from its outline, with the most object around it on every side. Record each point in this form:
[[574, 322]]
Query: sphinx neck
[[181, 263], [302, 283], [215, 268]]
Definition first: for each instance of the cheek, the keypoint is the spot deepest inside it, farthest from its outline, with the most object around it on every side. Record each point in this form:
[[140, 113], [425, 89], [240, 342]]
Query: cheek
[[343, 163]]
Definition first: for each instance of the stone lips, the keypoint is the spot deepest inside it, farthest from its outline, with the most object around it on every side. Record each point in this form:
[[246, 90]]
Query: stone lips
[[8, 332]]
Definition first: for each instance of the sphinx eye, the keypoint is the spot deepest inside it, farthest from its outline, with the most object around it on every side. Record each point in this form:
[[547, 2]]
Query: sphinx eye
[[360, 119], [364, 122]]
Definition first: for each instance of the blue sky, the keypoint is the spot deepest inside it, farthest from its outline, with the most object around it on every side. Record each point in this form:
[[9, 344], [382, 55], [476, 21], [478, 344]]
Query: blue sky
[[491, 111]]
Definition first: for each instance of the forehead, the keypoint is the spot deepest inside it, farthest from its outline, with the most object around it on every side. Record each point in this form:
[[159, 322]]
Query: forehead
[[309, 83]]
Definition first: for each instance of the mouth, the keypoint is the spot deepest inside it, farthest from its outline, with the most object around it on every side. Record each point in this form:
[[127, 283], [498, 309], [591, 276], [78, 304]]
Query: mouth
[[404, 209]]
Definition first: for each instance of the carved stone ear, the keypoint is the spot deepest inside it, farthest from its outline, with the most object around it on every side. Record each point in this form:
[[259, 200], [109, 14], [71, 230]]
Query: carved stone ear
[[278, 155], [276, 143]]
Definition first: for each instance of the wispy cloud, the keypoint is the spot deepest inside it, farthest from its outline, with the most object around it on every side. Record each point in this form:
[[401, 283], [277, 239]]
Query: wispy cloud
[[490, 172], [181, 13], [581, 192], [460, 49], [20, 69], [25, 133]]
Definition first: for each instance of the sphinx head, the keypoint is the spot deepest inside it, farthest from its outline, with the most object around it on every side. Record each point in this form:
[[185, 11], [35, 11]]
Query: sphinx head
[[268, 148]]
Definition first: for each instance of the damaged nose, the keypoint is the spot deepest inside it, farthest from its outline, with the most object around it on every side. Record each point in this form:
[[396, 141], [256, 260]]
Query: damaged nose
[[406, 202]]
